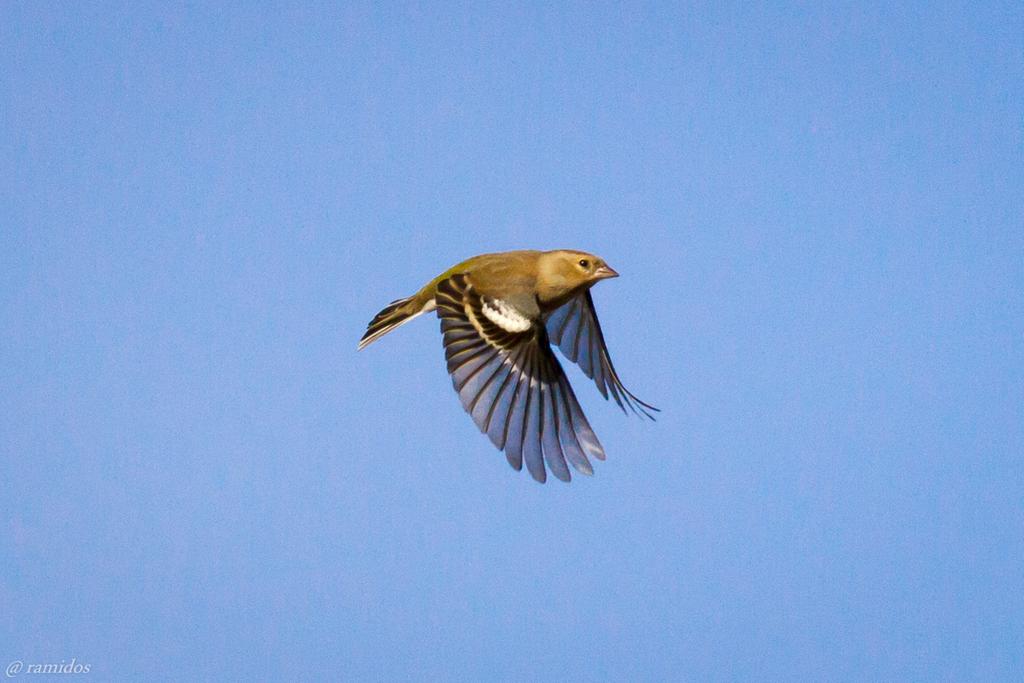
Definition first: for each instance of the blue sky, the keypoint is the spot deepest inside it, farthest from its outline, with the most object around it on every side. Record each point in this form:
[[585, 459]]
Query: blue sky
[[817, 216]]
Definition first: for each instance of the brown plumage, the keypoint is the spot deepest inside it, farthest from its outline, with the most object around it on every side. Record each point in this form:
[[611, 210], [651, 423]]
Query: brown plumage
[[499, 315]]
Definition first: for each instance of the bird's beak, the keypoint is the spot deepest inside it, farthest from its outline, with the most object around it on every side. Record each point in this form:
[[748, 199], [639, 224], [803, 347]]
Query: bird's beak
[[604, 272]]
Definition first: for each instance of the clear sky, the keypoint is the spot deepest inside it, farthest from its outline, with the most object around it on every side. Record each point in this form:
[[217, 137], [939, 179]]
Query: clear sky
[[817, 215]]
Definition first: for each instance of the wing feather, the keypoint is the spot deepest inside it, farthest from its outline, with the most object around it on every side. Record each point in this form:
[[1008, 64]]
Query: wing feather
[[511, 384], [575, 329], [549, 432]]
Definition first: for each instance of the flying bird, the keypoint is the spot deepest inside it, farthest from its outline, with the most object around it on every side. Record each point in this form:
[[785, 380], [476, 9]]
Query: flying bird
[[499, 315]]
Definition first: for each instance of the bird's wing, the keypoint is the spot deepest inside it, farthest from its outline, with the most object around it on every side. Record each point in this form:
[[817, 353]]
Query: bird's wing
[[510, 382], [574, 328]]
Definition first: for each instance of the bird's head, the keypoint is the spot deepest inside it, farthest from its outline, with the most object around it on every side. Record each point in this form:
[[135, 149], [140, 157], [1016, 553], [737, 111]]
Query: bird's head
[[562, 273]]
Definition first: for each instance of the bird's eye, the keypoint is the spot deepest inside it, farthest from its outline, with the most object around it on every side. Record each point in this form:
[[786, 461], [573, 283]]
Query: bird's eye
[[584, 263]]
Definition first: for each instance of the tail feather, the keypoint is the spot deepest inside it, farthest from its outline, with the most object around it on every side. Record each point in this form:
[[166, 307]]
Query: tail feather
[[396, 313]]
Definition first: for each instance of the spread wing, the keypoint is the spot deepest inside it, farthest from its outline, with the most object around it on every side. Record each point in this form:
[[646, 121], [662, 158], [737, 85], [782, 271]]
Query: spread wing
[[574, 328], [510, 382]]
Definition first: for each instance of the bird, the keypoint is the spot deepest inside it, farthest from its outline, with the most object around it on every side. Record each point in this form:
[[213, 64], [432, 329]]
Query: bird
[[499, 315]]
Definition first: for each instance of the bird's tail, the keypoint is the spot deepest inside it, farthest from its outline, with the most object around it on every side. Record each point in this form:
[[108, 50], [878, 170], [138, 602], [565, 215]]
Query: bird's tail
[[394, 314]]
